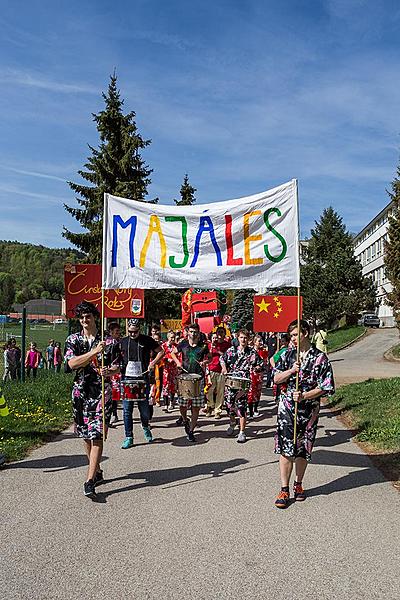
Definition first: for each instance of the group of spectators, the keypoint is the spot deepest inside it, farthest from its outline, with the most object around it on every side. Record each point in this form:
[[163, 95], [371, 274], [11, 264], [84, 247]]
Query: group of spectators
[[34, 359]]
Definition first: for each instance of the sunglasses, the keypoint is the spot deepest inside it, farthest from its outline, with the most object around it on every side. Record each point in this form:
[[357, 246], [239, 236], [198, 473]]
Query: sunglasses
[[134, 332]]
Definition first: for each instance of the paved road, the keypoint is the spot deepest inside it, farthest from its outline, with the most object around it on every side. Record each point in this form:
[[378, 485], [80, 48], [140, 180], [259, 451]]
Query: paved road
[[364, 359], [179, 521]]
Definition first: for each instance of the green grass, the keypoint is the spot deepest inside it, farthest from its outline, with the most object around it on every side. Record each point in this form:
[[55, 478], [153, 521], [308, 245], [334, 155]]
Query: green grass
[[396, 351], [342, 336], [373, 408], [38, 409]]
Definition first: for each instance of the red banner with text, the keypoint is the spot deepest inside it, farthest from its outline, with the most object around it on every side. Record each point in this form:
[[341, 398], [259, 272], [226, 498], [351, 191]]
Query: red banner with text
[[83, 282]]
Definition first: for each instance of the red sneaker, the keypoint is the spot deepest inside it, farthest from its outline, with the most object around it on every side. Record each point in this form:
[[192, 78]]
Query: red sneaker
[[282, 500], [299, 493]]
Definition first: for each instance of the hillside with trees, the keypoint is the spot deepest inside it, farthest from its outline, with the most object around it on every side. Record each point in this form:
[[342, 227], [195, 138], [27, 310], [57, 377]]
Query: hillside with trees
[[28, 271]]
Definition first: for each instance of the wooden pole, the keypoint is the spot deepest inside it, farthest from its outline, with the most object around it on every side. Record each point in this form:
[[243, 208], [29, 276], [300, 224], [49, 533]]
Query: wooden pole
[[103, 404], [23, 343], [297, 374], [298, 318]]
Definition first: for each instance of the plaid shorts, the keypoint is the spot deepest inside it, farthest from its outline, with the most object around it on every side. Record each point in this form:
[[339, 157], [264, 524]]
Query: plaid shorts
[[197, 402]]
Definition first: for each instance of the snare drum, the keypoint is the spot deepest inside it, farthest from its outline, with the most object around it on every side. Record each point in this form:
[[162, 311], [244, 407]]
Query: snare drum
[[134, 388], [238, 383], [116, 387], [189, 385]]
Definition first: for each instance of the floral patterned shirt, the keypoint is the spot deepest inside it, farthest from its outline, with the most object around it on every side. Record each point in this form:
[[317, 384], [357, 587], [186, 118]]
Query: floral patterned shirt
[[315, 372]]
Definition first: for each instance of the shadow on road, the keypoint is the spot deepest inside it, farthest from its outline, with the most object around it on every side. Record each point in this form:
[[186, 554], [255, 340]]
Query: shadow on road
[[176, 476], [51, 464], [368, 465], [351, 481]]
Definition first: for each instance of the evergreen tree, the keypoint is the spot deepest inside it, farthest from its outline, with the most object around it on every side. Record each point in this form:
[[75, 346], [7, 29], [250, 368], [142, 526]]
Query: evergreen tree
[[187, 193], [243, 308], [163, 304], [7, 292], [116, 167], [332, 282], [392, 250]]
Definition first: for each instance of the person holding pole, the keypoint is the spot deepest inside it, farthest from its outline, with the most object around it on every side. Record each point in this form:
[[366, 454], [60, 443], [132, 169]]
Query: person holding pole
[[85, 353], [304, 374]]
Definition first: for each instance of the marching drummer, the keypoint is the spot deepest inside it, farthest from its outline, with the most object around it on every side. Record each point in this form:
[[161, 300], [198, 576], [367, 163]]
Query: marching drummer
[[136, 353], [194, 358], [239, 362]]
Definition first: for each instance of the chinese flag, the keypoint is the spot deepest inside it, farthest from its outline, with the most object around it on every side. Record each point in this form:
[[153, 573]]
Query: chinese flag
[[275, 313]]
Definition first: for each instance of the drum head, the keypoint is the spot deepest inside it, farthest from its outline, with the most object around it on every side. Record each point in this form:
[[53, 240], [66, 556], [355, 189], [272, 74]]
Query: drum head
[[133, 381], [189, 377]]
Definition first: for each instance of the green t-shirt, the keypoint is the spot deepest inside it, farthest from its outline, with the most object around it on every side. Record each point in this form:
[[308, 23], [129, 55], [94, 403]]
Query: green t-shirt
[[278, 354]]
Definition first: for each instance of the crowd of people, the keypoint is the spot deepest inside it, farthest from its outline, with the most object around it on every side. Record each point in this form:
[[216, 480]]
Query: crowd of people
[[52, 359], [196, 373]]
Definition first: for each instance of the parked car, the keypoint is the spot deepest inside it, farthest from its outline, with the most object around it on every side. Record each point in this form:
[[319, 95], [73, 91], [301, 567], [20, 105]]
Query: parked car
[[59, 321], [370, 321]]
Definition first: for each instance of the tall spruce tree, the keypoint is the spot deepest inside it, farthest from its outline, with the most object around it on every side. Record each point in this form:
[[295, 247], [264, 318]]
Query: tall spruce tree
[[332, 282], [187, 193], [392, 250], [116, 167], [242, 311]]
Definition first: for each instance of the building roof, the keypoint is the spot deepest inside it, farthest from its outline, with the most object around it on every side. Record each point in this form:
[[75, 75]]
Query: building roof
[[378, 216], [40, 305]]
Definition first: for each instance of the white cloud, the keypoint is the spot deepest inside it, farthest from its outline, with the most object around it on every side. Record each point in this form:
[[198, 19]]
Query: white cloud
[[48, 198], [33, 173], [37, 80]]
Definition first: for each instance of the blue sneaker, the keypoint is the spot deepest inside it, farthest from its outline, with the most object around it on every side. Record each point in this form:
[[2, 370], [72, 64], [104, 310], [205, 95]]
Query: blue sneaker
[[147, 434], [127, 443]]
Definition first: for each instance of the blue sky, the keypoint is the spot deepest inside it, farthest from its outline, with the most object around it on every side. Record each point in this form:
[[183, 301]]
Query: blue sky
[[241, 95]]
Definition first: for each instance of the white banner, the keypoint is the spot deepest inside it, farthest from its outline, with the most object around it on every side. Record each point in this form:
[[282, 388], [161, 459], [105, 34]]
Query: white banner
[[250, 242]]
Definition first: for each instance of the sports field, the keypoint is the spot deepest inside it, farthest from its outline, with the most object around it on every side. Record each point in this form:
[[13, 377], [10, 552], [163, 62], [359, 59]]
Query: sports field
[[40, 333]]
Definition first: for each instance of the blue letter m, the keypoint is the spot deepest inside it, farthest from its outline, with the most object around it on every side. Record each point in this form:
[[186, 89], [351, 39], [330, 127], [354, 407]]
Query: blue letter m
[[117, 220]]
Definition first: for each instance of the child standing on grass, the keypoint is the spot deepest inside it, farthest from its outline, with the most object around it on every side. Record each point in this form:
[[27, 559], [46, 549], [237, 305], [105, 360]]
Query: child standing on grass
[[32, 360], [57, 357]]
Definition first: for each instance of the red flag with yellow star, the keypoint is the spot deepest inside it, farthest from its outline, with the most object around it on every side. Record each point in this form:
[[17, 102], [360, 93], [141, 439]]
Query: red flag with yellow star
[[275, 313]]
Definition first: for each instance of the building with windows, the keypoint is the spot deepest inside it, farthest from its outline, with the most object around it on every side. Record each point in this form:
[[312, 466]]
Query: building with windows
[[369, 249]]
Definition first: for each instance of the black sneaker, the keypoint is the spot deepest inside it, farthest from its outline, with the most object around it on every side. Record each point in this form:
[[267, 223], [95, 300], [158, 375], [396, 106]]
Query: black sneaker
[[99, 477], [187, 426], [190, 436], [89, 489], [179, 421]]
